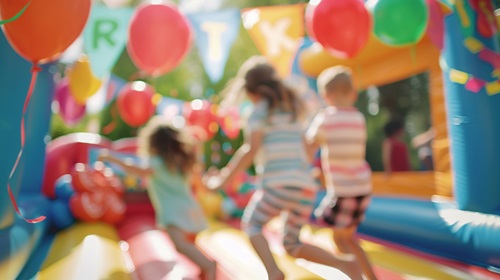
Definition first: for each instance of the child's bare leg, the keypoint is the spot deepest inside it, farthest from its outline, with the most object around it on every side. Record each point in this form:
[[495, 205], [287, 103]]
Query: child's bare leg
[[295, 248], [347, 243], [261, 247], [190, 250], [318, 255]]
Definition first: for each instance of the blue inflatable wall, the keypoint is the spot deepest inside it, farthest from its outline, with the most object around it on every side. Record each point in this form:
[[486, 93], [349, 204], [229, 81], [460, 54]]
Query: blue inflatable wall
[[18, 238], [438, 228], [473, 118], [468, 230]]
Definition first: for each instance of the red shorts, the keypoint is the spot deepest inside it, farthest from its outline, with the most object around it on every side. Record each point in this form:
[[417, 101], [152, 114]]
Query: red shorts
[[345, 211]]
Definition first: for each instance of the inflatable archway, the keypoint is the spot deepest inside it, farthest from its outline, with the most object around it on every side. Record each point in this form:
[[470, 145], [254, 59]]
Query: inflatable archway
[[465, 226]]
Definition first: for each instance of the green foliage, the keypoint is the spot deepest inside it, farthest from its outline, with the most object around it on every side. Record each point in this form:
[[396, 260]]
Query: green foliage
[[407, 100]]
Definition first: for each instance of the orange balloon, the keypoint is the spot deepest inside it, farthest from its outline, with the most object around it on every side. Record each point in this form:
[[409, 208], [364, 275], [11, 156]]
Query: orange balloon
[[46, 28]]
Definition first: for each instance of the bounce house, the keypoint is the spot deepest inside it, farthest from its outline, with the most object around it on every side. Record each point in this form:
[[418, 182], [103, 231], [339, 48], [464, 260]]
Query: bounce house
[[443, 224]]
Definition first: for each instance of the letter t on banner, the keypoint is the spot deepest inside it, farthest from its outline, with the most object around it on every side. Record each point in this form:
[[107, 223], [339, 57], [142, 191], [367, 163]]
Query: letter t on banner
[[215, 34], [277, 31]]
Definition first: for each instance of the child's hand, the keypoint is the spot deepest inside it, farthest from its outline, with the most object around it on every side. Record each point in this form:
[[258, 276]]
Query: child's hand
[[213, 182], [212, 179]]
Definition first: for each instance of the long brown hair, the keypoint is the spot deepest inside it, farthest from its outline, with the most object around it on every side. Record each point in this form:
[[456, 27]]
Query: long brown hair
[[262, 80], [170, 144]]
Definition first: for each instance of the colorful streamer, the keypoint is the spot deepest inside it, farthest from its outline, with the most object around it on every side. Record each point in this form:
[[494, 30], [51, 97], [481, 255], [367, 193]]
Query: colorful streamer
[[35, 70], [16, 16]]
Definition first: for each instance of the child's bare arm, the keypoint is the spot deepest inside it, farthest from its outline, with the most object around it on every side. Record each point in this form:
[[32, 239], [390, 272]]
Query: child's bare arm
[[127, 165], [314, 136], [241, 160]]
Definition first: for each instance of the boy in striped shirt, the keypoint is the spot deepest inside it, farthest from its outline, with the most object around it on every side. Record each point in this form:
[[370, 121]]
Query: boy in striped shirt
[[340, 131]]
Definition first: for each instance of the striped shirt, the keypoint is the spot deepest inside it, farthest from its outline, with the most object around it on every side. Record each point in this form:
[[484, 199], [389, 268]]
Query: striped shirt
[[342, 135], [282, 158]]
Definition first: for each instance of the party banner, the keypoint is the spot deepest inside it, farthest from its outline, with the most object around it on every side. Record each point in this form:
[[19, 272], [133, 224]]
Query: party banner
[[115, 84], [277, 32], [105, 37], [215, 34]]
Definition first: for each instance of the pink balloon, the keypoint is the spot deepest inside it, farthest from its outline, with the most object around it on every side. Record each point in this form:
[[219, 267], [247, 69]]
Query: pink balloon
[[159, 38], [435, 28], [70, 111]]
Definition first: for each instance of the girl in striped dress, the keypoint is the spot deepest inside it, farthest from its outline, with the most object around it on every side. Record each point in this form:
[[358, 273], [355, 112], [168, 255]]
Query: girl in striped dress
[[285, 186]]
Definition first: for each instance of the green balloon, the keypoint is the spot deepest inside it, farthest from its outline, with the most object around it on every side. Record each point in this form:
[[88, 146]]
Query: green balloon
[[399, 22]]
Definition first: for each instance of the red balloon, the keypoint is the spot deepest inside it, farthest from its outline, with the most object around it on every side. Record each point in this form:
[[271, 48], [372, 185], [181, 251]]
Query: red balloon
[[200, 116], [88, 207], [106, 180], [46, 28], [159, 38], [135, 103], [115, 209], [342, 26], [87, 179]]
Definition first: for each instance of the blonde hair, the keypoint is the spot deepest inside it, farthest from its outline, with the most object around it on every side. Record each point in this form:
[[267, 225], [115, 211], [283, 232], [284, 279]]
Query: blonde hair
[[336, 79]]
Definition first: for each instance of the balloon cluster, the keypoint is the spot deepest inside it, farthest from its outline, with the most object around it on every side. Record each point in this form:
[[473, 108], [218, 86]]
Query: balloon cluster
[[90, 194], [344, 27]]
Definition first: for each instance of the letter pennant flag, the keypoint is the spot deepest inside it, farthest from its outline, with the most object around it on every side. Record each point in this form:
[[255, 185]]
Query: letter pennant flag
[[105, 37], [215, 34], [277, 32]]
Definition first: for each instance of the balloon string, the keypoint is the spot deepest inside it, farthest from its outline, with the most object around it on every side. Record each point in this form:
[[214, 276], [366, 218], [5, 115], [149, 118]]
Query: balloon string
[[112, 125], [34, 71], [17, 15]]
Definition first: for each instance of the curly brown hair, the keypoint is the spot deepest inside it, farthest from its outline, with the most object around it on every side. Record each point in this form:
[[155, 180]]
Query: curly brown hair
[[173, 146]]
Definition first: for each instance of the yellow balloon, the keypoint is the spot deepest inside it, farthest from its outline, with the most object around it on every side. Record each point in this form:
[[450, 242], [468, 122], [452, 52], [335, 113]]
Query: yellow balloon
[[82, 82], [211, 204]]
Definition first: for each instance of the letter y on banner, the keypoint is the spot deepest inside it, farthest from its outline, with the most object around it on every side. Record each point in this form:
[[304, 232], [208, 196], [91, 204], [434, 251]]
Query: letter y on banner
[[277, 32], [105, 36], [215, 34]]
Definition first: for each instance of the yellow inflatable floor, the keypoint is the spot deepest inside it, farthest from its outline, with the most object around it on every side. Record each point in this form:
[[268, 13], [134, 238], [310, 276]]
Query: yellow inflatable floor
[[92, 252], [231, 248], [85, 252], [392, 264]]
